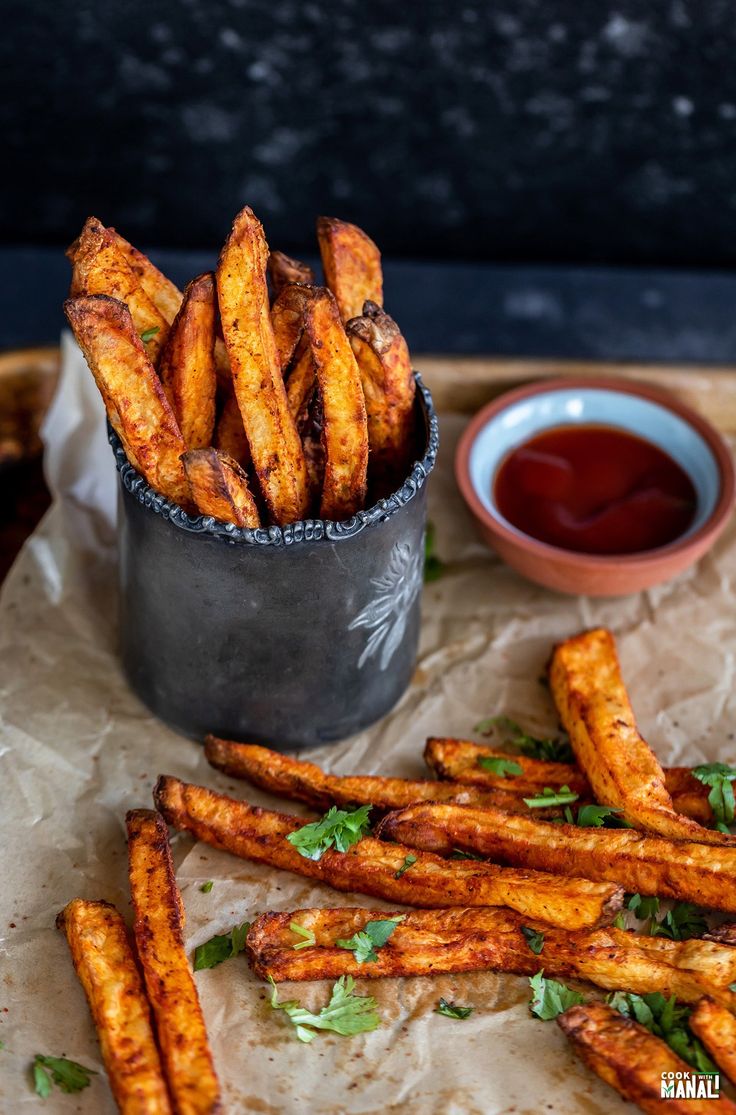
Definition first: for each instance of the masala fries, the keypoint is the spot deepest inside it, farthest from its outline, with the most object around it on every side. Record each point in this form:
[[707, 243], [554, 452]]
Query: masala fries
[[276, 451], [288, 320], [643, 864], [595, 710], [345, 426], [220, 487], [457, 760], [108, 972], [136, 403], [632, 1060], [375, 868], [158, 928], [352, 265], [302, 781], [164, 294], [715, 1025], [230, 436], [187, 365], [427, 942], [282, 270]]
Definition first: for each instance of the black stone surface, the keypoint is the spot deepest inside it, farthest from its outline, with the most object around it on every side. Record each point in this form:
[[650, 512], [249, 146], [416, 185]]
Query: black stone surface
[[567, 131]]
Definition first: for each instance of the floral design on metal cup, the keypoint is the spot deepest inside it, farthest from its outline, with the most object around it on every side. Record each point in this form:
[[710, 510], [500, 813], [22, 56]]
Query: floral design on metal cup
[[386, 614]]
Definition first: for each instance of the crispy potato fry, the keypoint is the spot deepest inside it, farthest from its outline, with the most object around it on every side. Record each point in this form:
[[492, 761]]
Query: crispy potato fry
[[136, 403], [428, 942], [230, 436], [594, 707], [689, 871], [456, 760], [187, 365], [302, 381], [158, 928], [288, 320], [352, 265], [220, 487], [345, 430], [282, 270], [389, 389], [715, 1025], [108, 972], [632, 1060], [99, 267], [164, 294], [302, 781], [276, 451], [371, 867]]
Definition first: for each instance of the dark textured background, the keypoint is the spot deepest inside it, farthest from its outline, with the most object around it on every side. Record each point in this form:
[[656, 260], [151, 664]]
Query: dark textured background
[[564, 130]]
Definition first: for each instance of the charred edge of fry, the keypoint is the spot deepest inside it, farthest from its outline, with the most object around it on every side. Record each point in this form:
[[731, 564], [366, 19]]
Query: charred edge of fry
[[220, 487], [282, 270]]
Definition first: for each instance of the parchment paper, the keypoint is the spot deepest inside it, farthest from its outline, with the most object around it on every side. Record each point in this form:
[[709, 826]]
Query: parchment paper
[[77, 750]]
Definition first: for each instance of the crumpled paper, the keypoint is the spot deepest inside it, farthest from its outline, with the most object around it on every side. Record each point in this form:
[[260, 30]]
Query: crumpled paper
[[78, 749]]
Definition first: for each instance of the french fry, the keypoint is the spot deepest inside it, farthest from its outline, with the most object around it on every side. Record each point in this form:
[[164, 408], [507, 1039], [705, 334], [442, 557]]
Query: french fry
[[456, 760], [230, 436], [164, 294], [282, 270], [136, 403], [389, 388], [158, 928], [632, 1060], [276, 451], [302, 381], [352, 265], [427, 942], [594, 707], [220, 487], [108, 972], [715, 1025], [99, 267], [345, 427], [371, 867], [303, 781], [644, 864], [287, 321], [187, 365]]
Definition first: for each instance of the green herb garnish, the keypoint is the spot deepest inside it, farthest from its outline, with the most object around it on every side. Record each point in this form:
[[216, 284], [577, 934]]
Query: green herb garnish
[[302, 931], [221, 947], [554, 750], [533, 938], [596, 816], [668, 1020], [207, 887], [409, 861], [68, 1076], [337, 829], [451, 1010], [548, 797], [495, 764], [346, 1013], [373, 936], [680, 923], [721, 797], [550, 998], [148, 334], [458, 853], [643, 906]]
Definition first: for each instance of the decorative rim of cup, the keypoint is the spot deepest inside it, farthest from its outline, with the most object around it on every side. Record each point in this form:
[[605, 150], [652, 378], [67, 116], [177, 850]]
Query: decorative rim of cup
[[305, 530]]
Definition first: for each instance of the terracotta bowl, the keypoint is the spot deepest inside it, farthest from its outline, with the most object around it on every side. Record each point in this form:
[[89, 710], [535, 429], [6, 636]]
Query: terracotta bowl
[[518, 415]]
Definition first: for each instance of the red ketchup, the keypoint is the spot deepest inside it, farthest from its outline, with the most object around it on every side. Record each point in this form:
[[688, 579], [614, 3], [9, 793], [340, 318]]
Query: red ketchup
[[595, 490]]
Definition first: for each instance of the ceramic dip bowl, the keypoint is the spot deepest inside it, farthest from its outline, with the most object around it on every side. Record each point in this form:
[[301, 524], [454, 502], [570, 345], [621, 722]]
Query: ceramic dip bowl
[[646, 412], [291, 636]]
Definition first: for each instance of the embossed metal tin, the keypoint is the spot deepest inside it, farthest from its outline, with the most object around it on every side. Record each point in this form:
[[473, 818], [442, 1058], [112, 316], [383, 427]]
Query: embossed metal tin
[[291, 636]]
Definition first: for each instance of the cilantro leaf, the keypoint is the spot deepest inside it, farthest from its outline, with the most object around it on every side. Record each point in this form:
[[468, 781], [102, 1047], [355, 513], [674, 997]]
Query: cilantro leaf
[[533, 938], [451, 1010], [302, 931], [550, 998], [337, 829], [409, 861], [548, 797], [680, 923], [458, 853], [497, 765], [148, 334], [620, 920], [221, 947], [434, 567], [720, 778], [643, 907], [69, 1076], [554, 750], [595, 816], [346, 1013], [373, 936], [666, 1018], [207, 887]]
